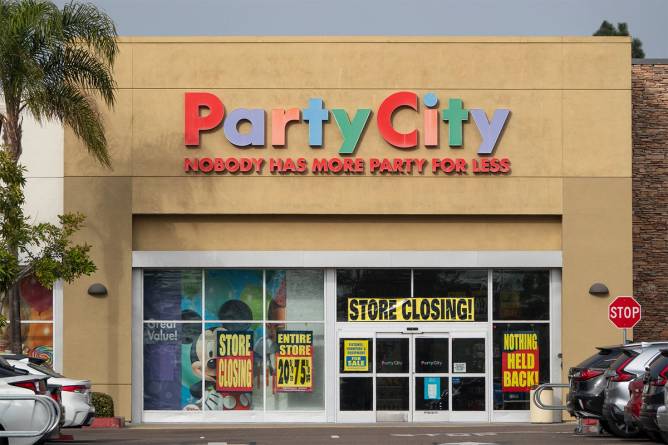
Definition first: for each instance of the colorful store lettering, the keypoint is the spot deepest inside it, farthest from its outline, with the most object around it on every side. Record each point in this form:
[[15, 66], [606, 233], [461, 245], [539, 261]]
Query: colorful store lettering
[[454, 115]]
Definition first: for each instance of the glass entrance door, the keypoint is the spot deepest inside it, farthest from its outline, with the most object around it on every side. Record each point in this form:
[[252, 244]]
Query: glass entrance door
[[431, 377], [413, 377], [393, 377], [468, 378]]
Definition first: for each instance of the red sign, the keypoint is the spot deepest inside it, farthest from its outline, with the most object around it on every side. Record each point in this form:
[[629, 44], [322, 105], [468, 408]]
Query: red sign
[[624, 312], [520, 364], [234, 365]]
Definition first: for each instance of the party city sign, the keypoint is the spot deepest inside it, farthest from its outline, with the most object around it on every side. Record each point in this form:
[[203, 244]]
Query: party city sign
[[204, 112]]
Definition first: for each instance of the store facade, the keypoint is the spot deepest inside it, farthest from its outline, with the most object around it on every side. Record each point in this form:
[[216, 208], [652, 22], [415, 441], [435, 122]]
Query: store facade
[[351, 229]]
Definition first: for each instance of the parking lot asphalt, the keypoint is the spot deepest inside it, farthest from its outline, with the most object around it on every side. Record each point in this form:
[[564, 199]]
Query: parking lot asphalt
[[394, 434]]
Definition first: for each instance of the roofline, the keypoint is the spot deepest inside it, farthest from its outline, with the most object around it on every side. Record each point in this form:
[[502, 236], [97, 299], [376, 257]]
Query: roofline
[[372, 39], [649, 61]]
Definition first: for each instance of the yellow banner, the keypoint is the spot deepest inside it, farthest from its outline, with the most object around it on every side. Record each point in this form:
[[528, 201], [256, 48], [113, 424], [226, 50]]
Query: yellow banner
[[294, 373], [411, 309]]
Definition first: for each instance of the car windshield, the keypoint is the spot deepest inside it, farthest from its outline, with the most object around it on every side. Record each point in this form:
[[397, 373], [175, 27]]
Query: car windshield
[[7, 370], [622, 358], [45, 370], [657, 365], [602, 360]]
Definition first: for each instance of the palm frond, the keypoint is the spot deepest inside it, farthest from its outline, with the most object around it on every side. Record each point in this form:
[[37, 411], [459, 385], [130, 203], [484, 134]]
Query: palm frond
[[78, 111], [78, 66], [84, 22], [46, 52]]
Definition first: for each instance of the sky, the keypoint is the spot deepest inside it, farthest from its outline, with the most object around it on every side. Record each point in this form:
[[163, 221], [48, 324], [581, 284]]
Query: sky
[[647, 19]]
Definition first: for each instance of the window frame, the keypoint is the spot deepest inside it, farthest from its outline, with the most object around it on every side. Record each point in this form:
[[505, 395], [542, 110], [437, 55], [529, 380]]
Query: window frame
[[139, 283]]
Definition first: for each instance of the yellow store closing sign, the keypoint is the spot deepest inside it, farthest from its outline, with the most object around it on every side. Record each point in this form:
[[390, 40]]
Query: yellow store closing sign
[[294, 361], [411, 309], [234, 366]]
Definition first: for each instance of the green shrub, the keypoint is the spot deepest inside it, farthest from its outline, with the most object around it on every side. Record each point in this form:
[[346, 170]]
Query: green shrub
[[103, 403]]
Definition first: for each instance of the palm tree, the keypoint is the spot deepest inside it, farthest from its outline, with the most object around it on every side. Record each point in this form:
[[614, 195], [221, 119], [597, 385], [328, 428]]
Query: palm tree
[[53, 63]]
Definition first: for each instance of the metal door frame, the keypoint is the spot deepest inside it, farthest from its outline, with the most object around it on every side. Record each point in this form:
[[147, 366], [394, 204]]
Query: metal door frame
[[424, 415], [412, 415]]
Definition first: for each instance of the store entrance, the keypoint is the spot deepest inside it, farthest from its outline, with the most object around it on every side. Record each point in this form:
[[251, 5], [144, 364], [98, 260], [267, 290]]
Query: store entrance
[[412, 376]]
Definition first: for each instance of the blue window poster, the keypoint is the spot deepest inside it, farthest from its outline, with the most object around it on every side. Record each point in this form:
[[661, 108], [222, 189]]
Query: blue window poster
[[432, 388]]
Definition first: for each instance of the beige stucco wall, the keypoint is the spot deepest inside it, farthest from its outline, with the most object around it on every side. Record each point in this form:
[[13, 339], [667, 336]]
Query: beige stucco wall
[[569, 139], [350, 232]]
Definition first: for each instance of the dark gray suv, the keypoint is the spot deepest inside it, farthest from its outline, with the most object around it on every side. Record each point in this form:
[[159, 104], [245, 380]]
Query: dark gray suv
[[587, 383], [631, 363], [655, 380]]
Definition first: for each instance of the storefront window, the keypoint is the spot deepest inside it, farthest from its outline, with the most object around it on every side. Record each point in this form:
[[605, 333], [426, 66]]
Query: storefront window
[[36, 321], [172, 294], [295, 295], [521, 294], [424, 401], [173, 366], [254, 339], [468, 394], [296, 367], [233, 294], [468, 355], [392, 393], [370, 283], [234, 354], [227, 363], [356, 393], [521, 362], [392, 355], [429, 283], [431, 355], [436, 295]]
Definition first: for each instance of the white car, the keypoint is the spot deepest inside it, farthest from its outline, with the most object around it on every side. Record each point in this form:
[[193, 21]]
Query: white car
[[75, 394], [23, 415]]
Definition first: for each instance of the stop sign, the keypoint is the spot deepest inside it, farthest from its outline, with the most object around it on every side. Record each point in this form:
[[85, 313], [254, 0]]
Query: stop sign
[[624, 312]]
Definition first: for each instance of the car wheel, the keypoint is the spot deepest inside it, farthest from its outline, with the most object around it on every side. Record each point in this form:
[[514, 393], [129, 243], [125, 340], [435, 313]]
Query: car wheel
[[621, 429], [653, 435], [664, 436], [3, 440]]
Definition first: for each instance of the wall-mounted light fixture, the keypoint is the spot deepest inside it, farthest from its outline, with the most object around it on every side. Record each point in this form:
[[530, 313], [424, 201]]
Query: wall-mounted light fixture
[[97, 290], [599, 290]]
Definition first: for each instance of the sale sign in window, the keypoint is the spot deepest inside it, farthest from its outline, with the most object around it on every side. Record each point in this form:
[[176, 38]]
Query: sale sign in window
[[234, 366], [356, 353], [519, 361], [294, 361]]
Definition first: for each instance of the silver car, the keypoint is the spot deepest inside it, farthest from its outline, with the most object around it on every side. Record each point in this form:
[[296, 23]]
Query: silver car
[[662, 417], [75, 394], [633, 361]]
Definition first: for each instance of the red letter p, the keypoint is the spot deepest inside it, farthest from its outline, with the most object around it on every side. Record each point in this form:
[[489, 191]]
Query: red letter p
[[194, 122]]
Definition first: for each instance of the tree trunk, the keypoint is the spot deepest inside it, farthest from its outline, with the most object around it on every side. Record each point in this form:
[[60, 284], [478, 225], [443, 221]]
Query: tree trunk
[[11, 135], [15, 319]]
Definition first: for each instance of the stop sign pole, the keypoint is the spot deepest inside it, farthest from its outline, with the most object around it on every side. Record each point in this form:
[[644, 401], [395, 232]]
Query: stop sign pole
[[624, 312]]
